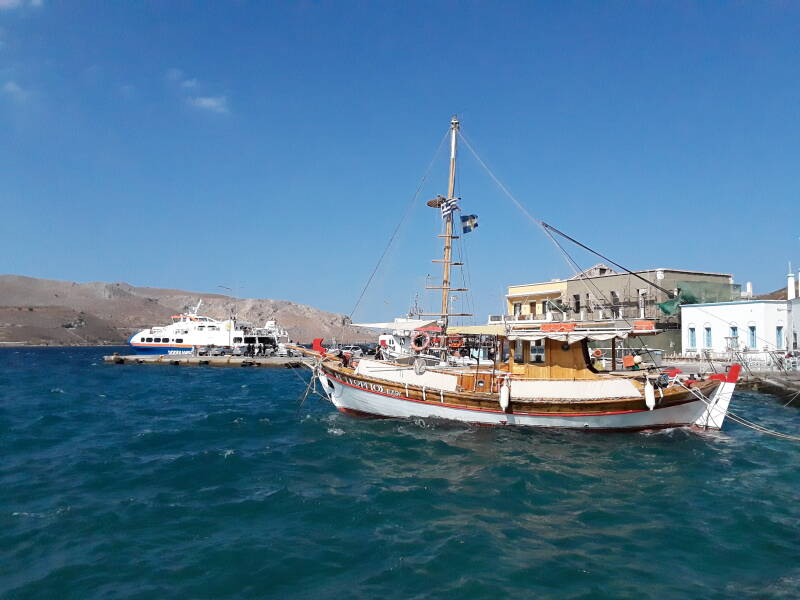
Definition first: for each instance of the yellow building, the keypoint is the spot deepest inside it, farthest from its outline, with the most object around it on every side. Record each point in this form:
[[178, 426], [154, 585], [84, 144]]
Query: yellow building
[[536, 301]]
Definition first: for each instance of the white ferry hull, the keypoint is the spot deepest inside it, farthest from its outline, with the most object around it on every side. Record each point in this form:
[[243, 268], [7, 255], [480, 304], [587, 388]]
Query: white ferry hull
[[354, 400]]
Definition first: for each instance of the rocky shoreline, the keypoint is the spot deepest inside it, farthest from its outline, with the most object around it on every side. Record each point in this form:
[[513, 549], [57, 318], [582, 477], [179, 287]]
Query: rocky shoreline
[[46, 312]]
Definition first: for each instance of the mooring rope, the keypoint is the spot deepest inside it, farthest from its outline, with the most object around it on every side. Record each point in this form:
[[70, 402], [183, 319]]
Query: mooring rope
[[740, 420]]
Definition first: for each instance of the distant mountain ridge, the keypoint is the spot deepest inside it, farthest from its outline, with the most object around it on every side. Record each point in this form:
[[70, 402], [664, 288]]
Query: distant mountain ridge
[[47, 311]]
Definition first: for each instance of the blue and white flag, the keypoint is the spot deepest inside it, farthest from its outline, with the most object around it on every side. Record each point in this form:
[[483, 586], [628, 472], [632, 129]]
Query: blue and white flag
[[468, 223], [448, 206]]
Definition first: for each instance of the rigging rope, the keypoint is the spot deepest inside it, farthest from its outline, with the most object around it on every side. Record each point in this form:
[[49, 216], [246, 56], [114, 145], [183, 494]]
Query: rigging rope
[[399, 225], [548, 228]]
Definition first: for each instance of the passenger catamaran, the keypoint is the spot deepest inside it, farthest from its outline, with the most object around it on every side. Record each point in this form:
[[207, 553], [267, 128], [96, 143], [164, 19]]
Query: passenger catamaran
[[191, 330], [541, 375]]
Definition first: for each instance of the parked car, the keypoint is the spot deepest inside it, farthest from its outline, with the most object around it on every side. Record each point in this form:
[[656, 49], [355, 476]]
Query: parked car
[[354, 351]]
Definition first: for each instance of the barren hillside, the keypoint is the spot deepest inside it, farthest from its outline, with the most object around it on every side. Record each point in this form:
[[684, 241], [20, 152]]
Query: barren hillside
[[46, 311]]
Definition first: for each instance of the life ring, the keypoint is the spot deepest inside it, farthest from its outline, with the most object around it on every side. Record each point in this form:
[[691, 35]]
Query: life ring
[[597, 353], [456, 343], [422, 345]]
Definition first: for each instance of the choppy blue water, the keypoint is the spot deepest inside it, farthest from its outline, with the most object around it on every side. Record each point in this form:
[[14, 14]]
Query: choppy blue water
[[172, 482]]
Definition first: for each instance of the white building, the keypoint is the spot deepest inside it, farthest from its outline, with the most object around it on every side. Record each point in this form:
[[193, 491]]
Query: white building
[[720, 327]]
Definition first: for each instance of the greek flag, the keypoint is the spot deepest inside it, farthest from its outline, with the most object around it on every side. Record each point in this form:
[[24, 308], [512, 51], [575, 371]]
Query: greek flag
[[468, 223], [448, 206]]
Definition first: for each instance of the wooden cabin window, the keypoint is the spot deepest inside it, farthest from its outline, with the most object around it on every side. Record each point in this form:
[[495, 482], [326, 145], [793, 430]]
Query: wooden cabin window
[[519, 356], [537, 351]]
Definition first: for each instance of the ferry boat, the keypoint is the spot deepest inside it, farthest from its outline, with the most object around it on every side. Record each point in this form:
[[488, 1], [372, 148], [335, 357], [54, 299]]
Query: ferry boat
[[541, 375], [191, 330]]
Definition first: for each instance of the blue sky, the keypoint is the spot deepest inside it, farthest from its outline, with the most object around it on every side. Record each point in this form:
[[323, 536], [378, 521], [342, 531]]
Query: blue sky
[[273, 147]]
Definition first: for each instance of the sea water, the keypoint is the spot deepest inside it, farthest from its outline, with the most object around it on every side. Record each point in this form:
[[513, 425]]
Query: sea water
[[196, 482]]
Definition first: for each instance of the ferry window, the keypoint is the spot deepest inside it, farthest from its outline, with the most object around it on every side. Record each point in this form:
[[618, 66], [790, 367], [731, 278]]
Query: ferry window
[[263, 340], [149, 339], [249, 340], [213, 328], [201, 327], [141, 339], [537, 351], [237, 340], [157, 340]]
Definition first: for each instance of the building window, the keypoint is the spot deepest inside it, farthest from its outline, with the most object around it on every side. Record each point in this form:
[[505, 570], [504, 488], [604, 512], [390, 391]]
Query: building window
[[779, 336], [517, 309], [544, 307], [576, 303], [707, 337], [751, 337], [734, 332], [615, 305], [692, 337]]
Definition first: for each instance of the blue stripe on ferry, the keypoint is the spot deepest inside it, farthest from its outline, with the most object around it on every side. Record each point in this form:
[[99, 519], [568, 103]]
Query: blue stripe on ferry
[[161, 349]]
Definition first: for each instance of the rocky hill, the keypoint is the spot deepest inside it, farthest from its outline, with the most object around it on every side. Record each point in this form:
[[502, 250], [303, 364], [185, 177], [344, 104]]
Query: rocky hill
[[46, 311]]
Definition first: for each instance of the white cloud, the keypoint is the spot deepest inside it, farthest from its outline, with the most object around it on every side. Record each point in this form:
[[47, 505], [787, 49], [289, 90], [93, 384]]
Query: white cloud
[[189, 83], [217, 104], [171, 74], [9, 4], [13, 90]]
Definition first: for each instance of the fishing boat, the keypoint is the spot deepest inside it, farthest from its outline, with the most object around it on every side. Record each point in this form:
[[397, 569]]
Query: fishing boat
[[191, 330], [540, 375]]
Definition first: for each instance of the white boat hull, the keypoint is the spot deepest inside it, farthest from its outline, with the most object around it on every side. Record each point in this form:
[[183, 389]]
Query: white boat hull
[[349, 398]]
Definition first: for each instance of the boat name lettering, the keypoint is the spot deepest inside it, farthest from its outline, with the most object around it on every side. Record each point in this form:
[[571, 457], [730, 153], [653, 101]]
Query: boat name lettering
[[375, 387]]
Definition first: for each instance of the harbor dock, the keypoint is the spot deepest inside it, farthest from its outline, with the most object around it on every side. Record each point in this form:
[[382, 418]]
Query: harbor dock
[[273, 362]]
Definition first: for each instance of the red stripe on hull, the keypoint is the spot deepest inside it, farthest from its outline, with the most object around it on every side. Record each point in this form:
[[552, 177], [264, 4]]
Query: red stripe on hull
[[488, 410]]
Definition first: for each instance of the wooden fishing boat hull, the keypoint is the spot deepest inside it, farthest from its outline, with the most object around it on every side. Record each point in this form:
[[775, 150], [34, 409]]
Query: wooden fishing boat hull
[[368, 397]]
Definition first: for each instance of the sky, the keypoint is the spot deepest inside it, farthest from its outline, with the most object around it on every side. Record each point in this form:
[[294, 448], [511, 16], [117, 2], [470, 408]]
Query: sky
[[272, 148]]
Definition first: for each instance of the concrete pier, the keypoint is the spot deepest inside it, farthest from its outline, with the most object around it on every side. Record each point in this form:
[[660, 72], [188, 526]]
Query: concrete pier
[[273, 362]]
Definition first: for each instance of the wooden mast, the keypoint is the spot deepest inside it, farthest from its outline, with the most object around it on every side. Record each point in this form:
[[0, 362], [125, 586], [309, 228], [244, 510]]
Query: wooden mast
[[448, 226]]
